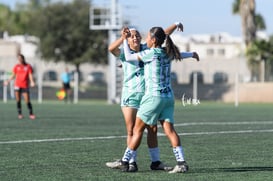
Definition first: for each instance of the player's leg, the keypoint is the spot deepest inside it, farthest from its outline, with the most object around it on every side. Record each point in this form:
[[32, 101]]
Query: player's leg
[[167, 122], [26, 96], [66, 94], [129, 115], [69, 94], [18, 103], [66, 91], [177, 148], [133, 144], [154, 151]]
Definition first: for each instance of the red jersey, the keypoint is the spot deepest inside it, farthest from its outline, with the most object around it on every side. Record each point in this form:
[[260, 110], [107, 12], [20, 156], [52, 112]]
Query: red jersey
[[22, 75]]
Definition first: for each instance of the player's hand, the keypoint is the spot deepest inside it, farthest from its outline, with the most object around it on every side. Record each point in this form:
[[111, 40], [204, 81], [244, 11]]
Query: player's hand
[[32, 84], [196, 56], [180, 27], [6, 83], [125, 33]]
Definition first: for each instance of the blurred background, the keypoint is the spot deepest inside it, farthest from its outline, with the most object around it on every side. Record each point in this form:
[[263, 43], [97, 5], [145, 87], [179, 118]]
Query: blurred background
[[233, 38]]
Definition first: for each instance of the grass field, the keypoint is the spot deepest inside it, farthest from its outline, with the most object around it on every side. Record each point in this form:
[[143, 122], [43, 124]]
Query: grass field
[[73, 142]]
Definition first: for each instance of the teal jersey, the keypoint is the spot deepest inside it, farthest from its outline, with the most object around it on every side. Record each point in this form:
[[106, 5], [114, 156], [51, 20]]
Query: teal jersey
[[65, 77], [133, 74], [157, 71]]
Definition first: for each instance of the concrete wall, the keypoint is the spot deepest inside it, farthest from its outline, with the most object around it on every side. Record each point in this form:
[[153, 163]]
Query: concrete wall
[[251, 92], [208, 66], [247, 92]]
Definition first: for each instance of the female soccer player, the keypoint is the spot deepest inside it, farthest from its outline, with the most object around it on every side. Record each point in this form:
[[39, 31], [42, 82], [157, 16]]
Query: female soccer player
[[22, 72], [158, 100]]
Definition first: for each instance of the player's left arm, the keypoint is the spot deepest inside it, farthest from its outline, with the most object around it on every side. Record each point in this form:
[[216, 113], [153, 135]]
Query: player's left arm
[[190, 55], [31, 79], [176, 25], [196, 56]]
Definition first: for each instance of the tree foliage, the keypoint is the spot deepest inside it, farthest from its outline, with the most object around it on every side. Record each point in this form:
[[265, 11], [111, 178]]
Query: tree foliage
[[261, 50], [63, 30], [251, 20], [247, 12], [257, 51], [12, 22]]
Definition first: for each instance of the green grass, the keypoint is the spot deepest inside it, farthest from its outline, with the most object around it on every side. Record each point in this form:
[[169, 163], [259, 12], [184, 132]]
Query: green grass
[[220, 141]]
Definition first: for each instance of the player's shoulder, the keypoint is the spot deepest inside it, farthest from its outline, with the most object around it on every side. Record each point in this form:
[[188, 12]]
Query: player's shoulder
[[28, 65]]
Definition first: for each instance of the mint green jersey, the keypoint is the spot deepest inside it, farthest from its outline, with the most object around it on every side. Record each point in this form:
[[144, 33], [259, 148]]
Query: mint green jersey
[[157, 71], [133, 73]]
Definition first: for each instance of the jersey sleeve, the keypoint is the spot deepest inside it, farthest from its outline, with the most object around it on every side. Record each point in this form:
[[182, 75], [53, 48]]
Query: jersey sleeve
[[128, 55], [186, 55], [30, 69], [14, 69]]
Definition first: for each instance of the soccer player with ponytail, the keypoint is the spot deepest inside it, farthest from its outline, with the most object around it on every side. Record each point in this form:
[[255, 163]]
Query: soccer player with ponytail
[[22, 73]]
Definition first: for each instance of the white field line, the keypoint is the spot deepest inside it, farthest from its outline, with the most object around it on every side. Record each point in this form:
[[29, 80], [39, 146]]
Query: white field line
[[159, 134], [225, 123], [62, 139], [228, 132]]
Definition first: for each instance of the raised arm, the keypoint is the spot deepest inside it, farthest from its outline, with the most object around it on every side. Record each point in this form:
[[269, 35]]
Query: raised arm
[[114, 47], [176, 25]]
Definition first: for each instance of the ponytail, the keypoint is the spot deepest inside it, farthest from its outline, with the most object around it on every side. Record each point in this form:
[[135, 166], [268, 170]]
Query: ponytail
[[171, 49]]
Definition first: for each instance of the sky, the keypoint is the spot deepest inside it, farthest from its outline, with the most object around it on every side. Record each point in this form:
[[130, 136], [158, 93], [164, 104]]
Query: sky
[[197, 16]]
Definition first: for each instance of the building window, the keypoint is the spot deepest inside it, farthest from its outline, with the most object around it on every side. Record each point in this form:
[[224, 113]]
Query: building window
[[210, 52], [221, 52]]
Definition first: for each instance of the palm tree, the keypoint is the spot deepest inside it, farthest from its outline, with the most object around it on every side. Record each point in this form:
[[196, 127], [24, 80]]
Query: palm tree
[[251, 22], [246, 9]]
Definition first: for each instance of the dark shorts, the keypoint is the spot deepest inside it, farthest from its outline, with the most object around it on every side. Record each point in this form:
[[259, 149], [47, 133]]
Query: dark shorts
[[21, 90], [66, 86]]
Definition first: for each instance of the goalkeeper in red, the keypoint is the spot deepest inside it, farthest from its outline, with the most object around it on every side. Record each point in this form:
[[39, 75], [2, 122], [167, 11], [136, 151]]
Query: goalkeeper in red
[[22, 73]]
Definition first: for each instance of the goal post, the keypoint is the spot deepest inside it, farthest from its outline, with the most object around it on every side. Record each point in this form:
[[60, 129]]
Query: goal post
[[108, 17]]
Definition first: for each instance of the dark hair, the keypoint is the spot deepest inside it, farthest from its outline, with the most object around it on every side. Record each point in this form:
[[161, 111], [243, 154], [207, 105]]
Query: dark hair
[[172, 50], [23, 58], [160, 36]]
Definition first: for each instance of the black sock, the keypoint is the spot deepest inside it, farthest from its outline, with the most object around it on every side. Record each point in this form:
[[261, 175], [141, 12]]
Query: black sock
[[19, 107], [29, 108]]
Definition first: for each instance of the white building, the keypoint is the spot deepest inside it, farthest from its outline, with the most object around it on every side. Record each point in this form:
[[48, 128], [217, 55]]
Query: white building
[[10, 46], [220, 54]]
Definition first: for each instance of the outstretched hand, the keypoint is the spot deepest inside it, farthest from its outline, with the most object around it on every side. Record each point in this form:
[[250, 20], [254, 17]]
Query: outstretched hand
[[196, 56], [180, 27]]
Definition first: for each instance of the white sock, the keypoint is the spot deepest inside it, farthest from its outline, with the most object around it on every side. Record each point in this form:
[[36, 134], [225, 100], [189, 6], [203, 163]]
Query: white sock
[[134, 157], [154, 154], [128, 154], [178, 153]]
